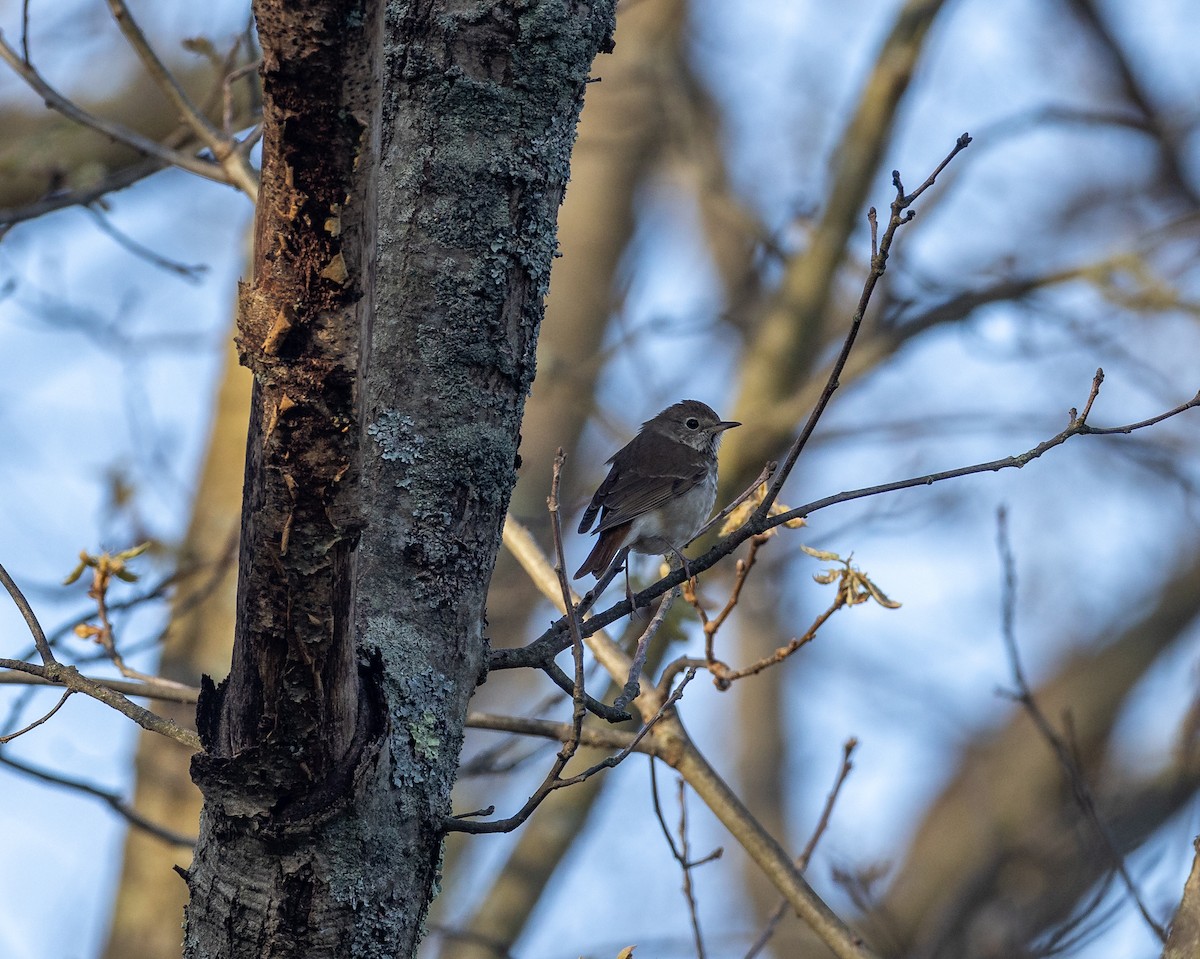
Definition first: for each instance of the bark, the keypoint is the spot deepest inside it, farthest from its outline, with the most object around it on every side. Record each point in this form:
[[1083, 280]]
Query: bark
[[414, 160], [1184, 940]]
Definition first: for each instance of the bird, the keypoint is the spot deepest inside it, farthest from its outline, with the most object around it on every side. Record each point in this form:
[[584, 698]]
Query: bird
[[660, 487]]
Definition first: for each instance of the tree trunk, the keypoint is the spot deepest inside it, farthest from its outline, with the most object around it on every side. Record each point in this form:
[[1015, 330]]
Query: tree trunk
[[413, 163]]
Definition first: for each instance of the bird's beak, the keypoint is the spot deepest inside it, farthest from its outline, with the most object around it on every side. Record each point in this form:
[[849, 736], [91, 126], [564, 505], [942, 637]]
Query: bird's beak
[[725, 425]]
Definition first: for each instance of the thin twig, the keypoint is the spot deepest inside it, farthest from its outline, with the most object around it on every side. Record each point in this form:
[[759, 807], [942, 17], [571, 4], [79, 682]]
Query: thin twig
[[1096, 381], [759, 844], [157, 591], [461, 822], [520, 543], [844, 770], [578, 706], [588, 600], [1076, 428], [31, 620], [632, 687], [25, 30], [656, 804], [767, 472], [189, 272], [84, 195], [37, 722], [237, 169], [68, 676], [687, 865], [610, 714], [681, 853], [104, 633], [1063, 752], [638, 742], [112, 800], [93, 193], [232, 77], [164, 690], [638, 738], [810, 847], [570, 743], [114, 131], [599, 736], [711, 626], [879, 258], [61, 674], [724, 677], [205, 132]]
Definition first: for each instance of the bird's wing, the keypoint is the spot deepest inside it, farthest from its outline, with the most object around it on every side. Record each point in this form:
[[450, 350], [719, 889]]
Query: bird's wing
[[631, 490]]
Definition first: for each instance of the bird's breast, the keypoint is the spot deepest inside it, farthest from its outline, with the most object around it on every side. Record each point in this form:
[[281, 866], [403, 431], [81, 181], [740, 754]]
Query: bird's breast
[[674, 523]]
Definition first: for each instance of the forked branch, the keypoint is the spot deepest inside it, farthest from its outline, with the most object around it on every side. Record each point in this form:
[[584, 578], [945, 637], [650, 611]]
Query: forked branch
[[68, 677]]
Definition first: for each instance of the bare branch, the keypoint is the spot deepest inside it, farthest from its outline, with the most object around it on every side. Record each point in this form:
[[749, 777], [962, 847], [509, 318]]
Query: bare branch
[[1184, 939], [1076, 428], [191, 273], [564, 682], [112, 800], [234, 163], [37, 722], [61, 674], [227, 104], [665, 737], [810, 847], [711, 626], [540, 571], [767, 472], [551, 641], [163, 78], [31, 620], [1023, 694], [579, 708], [164, 690], [84, 195], [115, 131], [570, 743], [460, 822], [724, 677], [632, 688], [682, 853], [600, 737], [765, 851], [900, 214]]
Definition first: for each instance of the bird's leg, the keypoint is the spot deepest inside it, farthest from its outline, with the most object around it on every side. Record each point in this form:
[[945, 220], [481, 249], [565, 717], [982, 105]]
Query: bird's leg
[[621, 559], [683, 561]]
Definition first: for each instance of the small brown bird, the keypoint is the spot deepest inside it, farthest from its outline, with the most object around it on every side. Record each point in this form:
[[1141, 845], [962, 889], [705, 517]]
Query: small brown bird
[[660, 488]]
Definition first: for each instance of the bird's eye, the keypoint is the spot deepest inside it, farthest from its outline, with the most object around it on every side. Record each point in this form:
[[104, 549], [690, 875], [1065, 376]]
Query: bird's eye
[[692, 423]]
